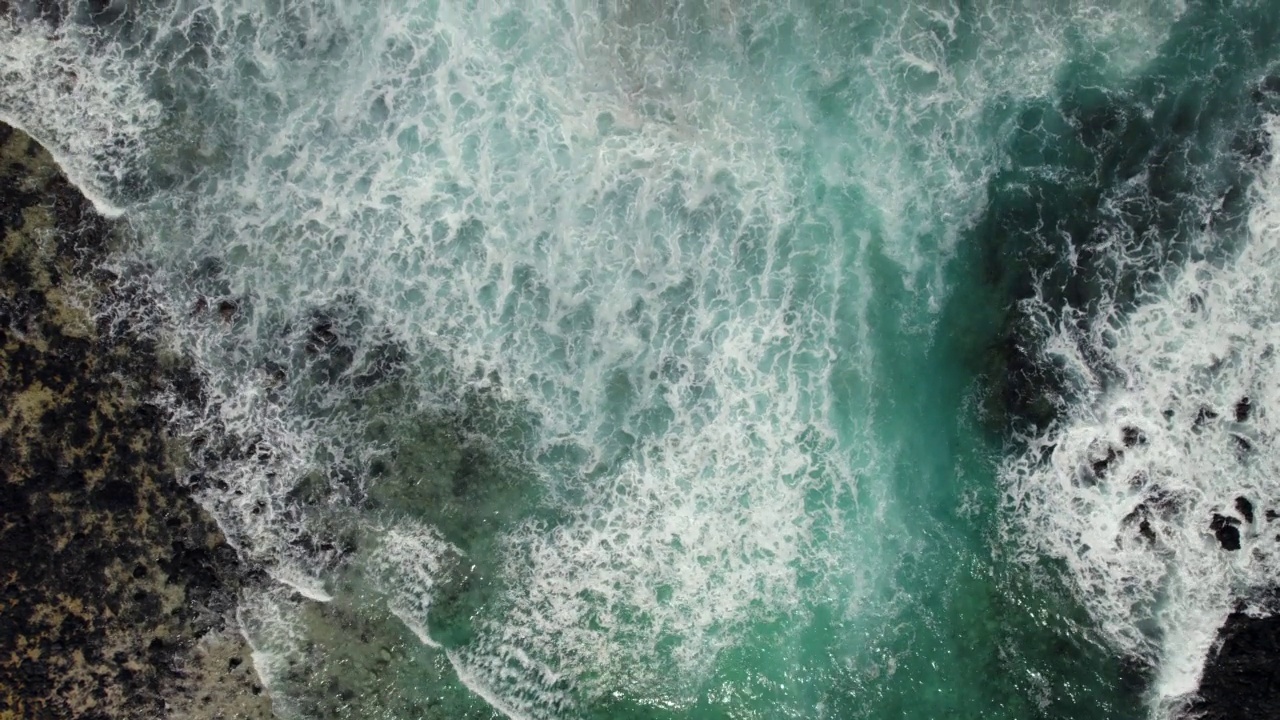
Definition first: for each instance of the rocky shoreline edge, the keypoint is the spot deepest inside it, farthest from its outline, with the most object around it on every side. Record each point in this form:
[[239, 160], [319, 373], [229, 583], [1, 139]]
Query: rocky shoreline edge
[[117, 590]]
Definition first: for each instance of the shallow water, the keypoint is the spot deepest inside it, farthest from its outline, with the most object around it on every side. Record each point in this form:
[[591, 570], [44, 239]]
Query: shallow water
[[704, 359]]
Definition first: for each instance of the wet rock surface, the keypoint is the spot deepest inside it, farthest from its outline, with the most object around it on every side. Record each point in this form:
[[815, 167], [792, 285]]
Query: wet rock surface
[[115, 586], [1227, 530], [1242, 678]]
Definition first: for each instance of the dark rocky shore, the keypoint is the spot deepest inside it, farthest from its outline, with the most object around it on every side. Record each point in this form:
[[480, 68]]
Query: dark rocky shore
[[1242, 679], [116, 588]]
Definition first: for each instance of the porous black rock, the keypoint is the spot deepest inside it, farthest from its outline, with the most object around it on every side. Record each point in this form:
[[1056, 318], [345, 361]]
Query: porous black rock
[[1245, 508], [1226, 530], [1241, 677]]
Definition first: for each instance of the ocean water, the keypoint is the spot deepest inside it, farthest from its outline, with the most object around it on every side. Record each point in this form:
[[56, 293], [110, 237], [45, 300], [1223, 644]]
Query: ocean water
[[707, 359]]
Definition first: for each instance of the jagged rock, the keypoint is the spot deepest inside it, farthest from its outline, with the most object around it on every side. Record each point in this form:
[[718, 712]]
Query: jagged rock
[[1245, 508], [1226, 530], [1241, 678]]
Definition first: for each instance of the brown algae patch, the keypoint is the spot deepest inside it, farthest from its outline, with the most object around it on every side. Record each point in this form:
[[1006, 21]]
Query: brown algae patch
[[116, 588], [218, 681]]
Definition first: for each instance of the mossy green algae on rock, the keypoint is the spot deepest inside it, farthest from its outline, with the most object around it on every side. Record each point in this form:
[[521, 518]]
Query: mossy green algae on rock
[[110, 574]]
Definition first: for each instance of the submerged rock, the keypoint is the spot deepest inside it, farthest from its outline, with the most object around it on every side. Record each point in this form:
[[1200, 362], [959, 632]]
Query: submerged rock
[[1203, 416], [1101, 466], [1243, 408], [1141, 516], [1132, 436], [1243, 446], [1065, 220]]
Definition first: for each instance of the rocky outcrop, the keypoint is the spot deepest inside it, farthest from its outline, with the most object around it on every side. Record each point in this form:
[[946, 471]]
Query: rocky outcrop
[[1242, 677], [115, 586]]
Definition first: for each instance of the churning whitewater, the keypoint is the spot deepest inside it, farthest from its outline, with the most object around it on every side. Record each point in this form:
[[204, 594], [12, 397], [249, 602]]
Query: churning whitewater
[[1168, 463], [634, 358]]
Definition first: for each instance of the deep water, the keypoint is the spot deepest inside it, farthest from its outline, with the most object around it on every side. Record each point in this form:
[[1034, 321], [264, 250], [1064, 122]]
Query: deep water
[[709, 359]]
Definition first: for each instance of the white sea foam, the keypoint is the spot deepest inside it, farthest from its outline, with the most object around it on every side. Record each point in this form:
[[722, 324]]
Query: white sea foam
[[605, 214], [268, 621], [408, 564], [87, 109], [1138, 540], [633, 284]]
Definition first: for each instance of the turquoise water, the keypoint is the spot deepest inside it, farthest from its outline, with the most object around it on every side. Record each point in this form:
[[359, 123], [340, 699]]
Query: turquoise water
[[717, 359]]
